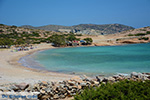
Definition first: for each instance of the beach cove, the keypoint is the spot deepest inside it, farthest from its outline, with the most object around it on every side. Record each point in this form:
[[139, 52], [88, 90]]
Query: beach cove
[[92, 61], [59, 85], [13, 72]]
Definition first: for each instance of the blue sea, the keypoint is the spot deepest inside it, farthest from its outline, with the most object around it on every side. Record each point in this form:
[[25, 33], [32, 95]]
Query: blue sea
[[102, 60]]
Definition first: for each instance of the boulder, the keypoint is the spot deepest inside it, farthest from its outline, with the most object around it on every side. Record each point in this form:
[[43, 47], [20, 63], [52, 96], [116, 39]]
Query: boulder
[[71, 83], [30, 88], [84, 78], [14, 87], [48, 89], [111, 79], [45, 97], [79, 86], [140, 75], [116, 76], [42, 91], [36, 87], [3, 88], [83, 85], [99, 79], [56, 96], [105, 79], [62, 96], [134, 74], [22, 86], [75, 78], [44, 83], [146, 73], [91, 82], [96, 83]]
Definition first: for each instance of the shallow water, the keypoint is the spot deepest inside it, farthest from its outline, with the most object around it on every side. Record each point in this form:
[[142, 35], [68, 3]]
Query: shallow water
[[105, 60]]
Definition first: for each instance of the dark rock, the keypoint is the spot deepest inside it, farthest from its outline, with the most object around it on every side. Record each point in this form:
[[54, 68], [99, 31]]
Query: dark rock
[[36, 87], [71, 83], [146, 73], [116, 76], [148, 77], [99, 79], [105, 79], [30, 88], [91, 81]]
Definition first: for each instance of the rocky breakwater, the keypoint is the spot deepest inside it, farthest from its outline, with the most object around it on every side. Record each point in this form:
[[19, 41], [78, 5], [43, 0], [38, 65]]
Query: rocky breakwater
[[59, 90]]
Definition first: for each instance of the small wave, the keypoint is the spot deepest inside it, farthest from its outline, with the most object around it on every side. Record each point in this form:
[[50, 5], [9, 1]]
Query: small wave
[[124, 74], [29, 62]]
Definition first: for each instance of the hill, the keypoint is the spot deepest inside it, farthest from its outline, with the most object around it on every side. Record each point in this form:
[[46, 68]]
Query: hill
[[90, 29]]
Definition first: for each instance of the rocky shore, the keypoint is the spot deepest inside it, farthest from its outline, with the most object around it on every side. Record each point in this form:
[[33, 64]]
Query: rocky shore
[[48, 90]]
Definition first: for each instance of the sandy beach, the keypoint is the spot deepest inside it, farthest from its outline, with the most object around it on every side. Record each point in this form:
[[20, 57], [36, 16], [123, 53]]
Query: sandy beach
[[13, 72]]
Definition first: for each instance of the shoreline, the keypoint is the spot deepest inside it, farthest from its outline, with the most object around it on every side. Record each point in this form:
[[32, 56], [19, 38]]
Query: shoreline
[[82, 73], [11, 71]]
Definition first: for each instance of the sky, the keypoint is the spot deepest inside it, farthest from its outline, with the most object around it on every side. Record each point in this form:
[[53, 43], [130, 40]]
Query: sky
[[135, 13]]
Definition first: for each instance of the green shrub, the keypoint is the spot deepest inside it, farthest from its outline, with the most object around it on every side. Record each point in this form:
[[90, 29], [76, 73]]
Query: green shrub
[[13, 26], [71, 37], [78, 34], [144, 38], [140, 34], [1, 31], [88, 40], [35, 34], [148, 32], [130, 34], [36, 42], [117, 39], [123, 90], [58, 40], [1, 24]]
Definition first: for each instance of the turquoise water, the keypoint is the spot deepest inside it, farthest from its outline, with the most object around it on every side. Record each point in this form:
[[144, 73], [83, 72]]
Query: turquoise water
[[106, 60]]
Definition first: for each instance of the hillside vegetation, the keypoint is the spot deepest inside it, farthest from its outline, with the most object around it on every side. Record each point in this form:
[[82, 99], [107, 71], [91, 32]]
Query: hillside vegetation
[[123, 90], [13, 35]]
